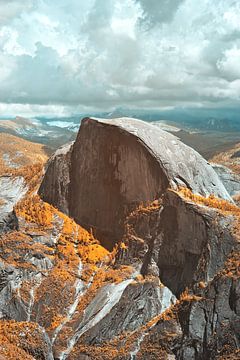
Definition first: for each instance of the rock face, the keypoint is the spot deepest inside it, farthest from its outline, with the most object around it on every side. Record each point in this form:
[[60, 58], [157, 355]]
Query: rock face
[[55, 188], [115, 165], [230, 180], [11, 191], [71, 300], [180, 241]]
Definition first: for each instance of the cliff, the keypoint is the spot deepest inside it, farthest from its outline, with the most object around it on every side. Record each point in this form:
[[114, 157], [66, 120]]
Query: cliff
[[114, 166]]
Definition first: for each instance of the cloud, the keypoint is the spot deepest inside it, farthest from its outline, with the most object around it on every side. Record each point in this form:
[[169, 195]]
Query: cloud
[[108, 53], [158, 11], [9, 9], [229, 64]]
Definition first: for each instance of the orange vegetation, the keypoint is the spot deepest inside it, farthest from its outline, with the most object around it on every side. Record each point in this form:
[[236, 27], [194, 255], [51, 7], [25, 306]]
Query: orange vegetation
[[20, 152], [232, 266], [223, 206], [20, 339], [32, 175], [210, 201], [103, 276], [100, 277], [146, 208], [225, 158], [15, 245], [120, 346], [33, 210], [233, 356], [73, 244], [186, 296]]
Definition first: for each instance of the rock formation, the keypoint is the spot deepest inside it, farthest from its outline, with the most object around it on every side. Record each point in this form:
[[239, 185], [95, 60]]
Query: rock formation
[[55, 187], [115, 165], [230, 180], [170, 287]]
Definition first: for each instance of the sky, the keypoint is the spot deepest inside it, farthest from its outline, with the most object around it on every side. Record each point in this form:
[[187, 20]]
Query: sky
[[69, 56]]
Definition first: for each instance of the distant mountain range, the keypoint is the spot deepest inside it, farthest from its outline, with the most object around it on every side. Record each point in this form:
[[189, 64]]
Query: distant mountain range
[[208, 131]]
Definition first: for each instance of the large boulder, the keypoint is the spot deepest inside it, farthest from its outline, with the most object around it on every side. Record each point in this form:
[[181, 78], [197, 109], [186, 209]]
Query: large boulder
[[115, 165]]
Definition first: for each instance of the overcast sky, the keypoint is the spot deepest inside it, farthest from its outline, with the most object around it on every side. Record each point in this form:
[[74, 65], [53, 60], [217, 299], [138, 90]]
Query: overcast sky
[[71, 55]]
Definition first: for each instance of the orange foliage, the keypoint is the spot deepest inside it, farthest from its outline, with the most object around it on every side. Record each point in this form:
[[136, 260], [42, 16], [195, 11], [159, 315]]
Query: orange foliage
[[31, 173], [74, 244], [21, 153], [210, 201], [56, 321], [33, 210], [186, 296], [123, 246], [16, 338], [146, 208], [232, 266]]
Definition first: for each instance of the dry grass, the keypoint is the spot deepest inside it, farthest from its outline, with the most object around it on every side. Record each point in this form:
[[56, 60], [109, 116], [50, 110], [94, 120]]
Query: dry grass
[[21, 153]]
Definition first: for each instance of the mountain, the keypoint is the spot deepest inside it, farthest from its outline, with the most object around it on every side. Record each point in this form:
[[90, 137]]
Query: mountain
[[167, 289], [52, 132], [208, 136], [115, 165]]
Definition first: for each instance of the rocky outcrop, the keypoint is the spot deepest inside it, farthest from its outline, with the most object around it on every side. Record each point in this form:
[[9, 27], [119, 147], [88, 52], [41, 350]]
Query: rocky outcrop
[[12, 189], [204, 326], [178, 240], [73, 301], [55, 188], [115, 165], [230, 180]]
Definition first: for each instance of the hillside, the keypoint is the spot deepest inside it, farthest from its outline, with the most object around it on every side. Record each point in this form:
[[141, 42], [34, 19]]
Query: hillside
[[229, 158], [227, 165], [16, 152]]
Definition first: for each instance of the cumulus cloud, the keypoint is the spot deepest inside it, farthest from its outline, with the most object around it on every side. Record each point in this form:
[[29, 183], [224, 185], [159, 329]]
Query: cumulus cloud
[[9, 9], [158, 11], [107, 53]]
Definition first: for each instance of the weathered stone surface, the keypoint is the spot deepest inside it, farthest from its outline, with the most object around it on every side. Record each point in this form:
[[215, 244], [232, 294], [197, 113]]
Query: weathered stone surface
[[230, 180], [202, 327], [185, 243], [139, 303], [211, 326], [55, 186], [12, 189], [116, 165]]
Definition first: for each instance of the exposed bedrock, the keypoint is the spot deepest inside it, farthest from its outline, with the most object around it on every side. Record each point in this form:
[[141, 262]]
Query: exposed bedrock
[[206, 327], [230, 180], [115, 165], [12, 189], [55, 186], [182, 242]]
